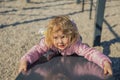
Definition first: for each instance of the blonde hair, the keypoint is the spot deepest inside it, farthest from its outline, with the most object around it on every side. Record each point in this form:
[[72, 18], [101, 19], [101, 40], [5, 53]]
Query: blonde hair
[[64, 24]]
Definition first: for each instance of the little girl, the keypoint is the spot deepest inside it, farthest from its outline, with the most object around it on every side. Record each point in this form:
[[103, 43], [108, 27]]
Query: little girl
[[62, 36]]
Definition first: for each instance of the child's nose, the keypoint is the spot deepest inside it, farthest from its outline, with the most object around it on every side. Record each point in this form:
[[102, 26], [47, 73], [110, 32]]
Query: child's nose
[[60, 41]]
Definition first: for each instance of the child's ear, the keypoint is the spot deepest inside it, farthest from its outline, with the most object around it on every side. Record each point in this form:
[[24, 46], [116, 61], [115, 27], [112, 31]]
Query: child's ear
[[70, 39]]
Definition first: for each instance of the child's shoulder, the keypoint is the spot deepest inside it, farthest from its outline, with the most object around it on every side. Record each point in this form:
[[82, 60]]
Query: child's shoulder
[[42, 39], [77, 43]]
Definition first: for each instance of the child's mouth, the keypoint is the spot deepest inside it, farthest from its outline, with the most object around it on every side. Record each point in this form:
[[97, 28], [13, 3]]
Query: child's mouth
[[61, 46]]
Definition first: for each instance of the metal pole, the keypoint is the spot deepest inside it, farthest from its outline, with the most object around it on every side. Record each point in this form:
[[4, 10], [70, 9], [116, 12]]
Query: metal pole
[[28, 1], [78, 1], [83, 3], [99, 21], [91, 4]]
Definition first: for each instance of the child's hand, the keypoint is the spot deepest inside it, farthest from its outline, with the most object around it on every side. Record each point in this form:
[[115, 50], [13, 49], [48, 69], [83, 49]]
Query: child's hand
[[107, 68], [23, 66]]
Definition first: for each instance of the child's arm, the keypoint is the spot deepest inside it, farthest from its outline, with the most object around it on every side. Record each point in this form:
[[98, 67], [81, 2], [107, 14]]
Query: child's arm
[[33, 55], [94, 55]]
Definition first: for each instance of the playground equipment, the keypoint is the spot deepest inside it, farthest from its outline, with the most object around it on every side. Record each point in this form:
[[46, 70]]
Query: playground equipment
[[99, 21], [64, 68], [83, 4], [99, 17]]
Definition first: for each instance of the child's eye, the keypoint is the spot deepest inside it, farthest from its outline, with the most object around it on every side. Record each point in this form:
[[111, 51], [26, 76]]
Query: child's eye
[[63, 37], [55, 37]]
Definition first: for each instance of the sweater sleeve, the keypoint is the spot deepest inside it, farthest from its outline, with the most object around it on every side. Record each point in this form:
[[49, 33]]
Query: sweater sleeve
[[91, 54], [35, 52]]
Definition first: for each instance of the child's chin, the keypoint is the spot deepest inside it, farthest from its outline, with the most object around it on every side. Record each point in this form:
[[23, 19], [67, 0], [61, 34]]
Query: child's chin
[[61, 49]]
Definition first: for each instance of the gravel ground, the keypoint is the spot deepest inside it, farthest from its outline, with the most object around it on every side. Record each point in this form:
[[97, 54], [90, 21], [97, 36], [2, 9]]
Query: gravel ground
[[20, 23]]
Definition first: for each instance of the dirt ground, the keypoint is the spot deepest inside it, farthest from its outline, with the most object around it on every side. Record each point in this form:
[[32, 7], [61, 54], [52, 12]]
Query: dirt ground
[[20, 23]]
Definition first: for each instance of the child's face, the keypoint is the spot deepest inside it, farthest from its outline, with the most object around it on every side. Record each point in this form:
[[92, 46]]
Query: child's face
[[60, 40]]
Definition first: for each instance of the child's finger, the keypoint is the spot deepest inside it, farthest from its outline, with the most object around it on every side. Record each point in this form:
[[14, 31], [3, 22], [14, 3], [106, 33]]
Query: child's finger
[[20, 69], [105, 71], [110, 72], [25, 69]]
